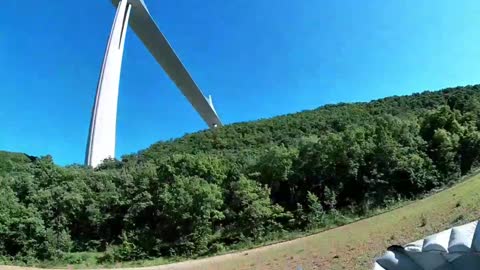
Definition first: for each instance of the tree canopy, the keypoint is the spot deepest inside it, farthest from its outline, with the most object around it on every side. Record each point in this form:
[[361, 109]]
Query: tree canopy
[[246, 182]]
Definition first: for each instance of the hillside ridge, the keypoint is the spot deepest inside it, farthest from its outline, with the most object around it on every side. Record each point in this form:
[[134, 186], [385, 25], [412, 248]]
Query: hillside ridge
[[241, 185]]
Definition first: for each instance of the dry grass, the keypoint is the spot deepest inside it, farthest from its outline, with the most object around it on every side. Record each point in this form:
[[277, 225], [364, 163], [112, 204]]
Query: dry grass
[[354, 246]]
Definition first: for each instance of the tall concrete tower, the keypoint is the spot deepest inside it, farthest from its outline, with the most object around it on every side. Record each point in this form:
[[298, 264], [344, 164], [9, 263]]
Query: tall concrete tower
[[101, 139]]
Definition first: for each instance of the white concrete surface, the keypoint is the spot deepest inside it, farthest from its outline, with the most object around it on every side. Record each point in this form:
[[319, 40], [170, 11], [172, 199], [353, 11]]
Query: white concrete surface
[[147, 30], [101, 139]]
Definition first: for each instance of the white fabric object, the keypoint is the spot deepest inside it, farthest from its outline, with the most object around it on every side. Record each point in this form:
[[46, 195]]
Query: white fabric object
[[397, 261], [476, 239], [454, 249], [415, 246], [461, 237], [377, 266], [437, 242]]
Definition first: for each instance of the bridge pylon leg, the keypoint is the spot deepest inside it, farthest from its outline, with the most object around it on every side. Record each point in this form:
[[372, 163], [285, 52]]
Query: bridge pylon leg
[[101, 138]]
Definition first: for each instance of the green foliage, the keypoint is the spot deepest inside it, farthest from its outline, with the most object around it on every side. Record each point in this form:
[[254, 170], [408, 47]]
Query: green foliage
[[192, 206], [243, 183], [316, 213], [251, 210], [22, 231], [469, 149]]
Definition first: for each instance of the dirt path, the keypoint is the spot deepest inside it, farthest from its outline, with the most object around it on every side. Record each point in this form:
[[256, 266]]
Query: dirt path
[[216, 262]]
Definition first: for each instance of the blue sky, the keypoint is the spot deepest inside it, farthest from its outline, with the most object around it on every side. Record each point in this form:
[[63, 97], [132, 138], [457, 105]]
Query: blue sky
[[257, 58]]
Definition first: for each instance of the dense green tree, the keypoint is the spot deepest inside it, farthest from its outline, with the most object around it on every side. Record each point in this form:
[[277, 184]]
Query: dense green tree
[[469, 149], [192, 207], [22, 230], [275, 168], [250, 211], [316, 214], [240, 183]]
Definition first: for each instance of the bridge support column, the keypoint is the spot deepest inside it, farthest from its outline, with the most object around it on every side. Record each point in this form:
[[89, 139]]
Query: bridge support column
[[101, 138]]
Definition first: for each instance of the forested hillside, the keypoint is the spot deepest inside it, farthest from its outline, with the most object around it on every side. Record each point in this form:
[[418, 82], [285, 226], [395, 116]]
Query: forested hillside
[[242, 183]]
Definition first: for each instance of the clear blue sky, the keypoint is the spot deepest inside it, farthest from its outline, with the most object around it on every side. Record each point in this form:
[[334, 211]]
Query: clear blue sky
[[257, 58]]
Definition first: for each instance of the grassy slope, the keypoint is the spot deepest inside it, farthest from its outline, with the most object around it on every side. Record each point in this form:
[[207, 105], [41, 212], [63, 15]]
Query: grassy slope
[[355, 245]]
